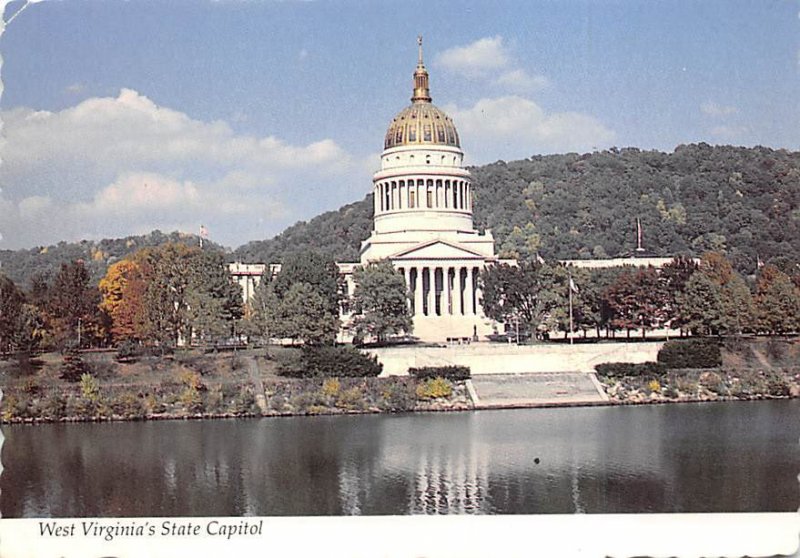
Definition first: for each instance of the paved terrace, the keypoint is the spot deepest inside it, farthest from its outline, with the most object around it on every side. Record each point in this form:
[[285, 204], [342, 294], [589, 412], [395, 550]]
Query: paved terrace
[[530, 390]]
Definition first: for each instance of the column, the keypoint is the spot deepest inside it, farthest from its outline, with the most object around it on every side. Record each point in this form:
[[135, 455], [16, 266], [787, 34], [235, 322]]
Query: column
[[431, 291], [457, 306], [409, 300], [418, 291], [478, 308], [470, 309], [448, 300]]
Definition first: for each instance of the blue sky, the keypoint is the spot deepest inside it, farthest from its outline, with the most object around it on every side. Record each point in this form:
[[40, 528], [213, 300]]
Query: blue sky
[[246, 116]]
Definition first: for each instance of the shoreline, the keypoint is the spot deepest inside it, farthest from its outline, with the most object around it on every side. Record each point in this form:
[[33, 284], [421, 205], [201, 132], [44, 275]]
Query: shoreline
[[355, 412]]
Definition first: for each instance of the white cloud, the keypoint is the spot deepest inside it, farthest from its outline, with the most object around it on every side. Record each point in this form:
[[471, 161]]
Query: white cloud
[[478, 58], [74, 88], [520, 81], [111, 166], [716, 110], [512, 126]]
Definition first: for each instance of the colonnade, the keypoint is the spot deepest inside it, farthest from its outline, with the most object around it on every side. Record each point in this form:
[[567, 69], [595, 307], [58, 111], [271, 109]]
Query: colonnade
[[423, 193], [443, 290]]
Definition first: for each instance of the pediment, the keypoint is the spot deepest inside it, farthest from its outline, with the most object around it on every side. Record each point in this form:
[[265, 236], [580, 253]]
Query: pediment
[[437, 250]]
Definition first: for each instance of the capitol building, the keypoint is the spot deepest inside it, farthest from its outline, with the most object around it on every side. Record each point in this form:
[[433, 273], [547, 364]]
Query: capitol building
[[423, 223], [422, 198]]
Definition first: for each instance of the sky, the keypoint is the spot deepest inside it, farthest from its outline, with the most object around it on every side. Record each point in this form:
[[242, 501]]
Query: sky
[[120, 117]]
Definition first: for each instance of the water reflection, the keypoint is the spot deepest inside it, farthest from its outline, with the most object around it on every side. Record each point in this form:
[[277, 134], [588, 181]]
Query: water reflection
[[689, 458]]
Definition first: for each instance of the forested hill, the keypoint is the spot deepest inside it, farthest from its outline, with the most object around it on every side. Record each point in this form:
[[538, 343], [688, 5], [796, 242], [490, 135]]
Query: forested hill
[[743, 201], [21, 265]]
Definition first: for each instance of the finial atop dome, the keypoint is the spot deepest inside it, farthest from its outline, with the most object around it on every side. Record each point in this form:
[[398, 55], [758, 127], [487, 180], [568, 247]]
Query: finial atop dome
[[421, 93]]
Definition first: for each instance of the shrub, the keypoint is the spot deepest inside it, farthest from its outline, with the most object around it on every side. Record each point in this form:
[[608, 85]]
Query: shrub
[[351, 398], [777, 385], [434, 388], [620, 369], [331, 387], [192, 380], [90, 390], [691, 353], [72, 368], [215, 400], [277, 402], [400, 396], [654, 386], [336, 361], [100, 369], [128, 405], [54, 406], [191, 400], [713, 382], [245, 402], [453, 373], [129, 351]]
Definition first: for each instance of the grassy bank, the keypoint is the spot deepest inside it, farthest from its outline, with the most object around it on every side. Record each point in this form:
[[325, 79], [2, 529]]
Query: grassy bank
[[191, 384]]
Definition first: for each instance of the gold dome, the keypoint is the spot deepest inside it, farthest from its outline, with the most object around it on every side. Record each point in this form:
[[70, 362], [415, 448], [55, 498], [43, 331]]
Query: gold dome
[[422, 123]]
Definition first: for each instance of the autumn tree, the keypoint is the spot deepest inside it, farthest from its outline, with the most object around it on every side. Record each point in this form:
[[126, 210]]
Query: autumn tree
[[637, 300], [123, 289], [380, 301]]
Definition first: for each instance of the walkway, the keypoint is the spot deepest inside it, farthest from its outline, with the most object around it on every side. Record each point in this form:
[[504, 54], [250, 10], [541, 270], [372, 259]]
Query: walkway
[[544, 388]]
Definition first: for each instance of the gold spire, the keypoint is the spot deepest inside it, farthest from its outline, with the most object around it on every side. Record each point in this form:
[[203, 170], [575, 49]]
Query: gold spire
[[422, 93]]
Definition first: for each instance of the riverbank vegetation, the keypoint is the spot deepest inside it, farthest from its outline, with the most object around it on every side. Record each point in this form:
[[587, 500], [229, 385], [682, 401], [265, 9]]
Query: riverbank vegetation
[[194, 384], [743, 369]]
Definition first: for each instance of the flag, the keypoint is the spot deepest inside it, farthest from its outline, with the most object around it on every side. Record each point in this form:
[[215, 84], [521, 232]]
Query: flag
[[759, 262], [572, 286]]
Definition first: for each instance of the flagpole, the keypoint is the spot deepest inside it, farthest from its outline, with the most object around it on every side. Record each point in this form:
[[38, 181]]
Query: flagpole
[[570, 308]]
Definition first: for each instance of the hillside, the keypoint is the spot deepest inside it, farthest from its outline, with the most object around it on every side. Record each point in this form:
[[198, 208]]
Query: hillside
[[743, 201], [21, 265]]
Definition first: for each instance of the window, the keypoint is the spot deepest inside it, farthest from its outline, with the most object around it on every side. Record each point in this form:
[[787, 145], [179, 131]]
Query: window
[[440, 134], [426, 132], [412, 133], [398, 137]]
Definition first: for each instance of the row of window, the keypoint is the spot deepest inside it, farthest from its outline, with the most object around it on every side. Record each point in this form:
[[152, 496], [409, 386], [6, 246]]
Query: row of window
[[410, 194]]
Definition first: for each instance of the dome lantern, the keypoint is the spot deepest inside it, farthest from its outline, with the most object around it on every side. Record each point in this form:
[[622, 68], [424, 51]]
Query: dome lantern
[[422, 93]]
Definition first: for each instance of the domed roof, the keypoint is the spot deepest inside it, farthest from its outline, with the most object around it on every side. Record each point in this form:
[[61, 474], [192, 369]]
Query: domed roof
[[422, 123]]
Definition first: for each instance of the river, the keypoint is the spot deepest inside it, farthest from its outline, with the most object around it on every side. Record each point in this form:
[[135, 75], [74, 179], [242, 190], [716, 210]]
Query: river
[[710, 457]]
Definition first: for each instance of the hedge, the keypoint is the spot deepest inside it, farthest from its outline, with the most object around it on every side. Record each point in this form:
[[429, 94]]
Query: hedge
[[691, 353], [336, 361], [452, 373], [619, 369]]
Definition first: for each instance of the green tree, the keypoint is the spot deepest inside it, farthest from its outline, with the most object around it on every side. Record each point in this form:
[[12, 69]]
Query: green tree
[[777, 302], [11, 301], [315, 270], [518, 294], [700, 305], [304, 315], [261, 309], [738, 308], [73, 305], [380, 301]]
